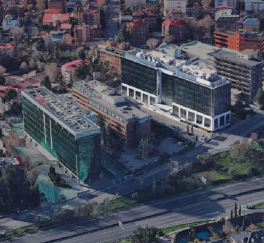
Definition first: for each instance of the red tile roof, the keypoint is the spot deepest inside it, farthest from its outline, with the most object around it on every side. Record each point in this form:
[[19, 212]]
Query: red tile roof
[[14, 86], [7, 46], [143, 12], [138, 23], [174, 22], [54, 11], [65, 26], [74, 64], [45, 34], [52, 18], [224, 7]]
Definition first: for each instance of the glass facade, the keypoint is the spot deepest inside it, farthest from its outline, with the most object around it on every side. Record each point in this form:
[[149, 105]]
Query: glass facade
[[197, 97], [139, 76], [61, 143]]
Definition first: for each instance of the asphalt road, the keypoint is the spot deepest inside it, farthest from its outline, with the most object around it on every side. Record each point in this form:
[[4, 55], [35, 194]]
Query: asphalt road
[[205, 204]]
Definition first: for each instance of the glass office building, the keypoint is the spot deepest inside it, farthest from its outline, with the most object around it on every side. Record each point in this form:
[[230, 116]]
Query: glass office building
[[65, 129]]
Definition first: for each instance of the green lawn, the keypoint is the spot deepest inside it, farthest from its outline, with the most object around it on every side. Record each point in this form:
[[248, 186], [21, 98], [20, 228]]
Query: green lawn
[[21, 230]]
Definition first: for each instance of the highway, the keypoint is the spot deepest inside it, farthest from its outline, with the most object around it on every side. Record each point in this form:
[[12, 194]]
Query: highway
[[205, 204]]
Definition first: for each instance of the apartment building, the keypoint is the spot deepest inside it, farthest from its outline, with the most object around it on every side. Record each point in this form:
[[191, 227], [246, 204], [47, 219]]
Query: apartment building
[[130, 3], [148, 15], [67, 70], [174, 6], [83, 33], [90, 15], [178, 28], [243, 69], [129, 122], [226, 16], [57, 4], [220, 3], [253, 5], [64, 129], [250, 24], [197, 95], [138, 31], [238, 40]]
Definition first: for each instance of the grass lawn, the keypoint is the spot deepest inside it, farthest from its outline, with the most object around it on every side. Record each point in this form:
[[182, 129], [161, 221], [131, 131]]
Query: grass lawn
[[258, 205], [21, 230], [253, 143]]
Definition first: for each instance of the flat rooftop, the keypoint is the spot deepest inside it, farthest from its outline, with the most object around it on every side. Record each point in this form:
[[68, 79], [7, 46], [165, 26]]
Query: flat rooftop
[[123, 109], [65, 110], [233, 57]]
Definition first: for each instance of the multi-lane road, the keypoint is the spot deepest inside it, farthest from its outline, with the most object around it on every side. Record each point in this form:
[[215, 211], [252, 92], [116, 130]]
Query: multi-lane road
[[113, 19], [186, 208]]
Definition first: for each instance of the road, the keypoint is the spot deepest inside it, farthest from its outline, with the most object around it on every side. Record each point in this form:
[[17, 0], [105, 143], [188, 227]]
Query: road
[[112, 19], [205, 204]]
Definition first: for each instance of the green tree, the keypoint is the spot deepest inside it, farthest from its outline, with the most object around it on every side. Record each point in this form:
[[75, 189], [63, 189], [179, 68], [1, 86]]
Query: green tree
[[240, 27], [56, 53], [192, 234], [1, 133], [259, 98], [81, 55], [2, 80], [28, 39], [123, 34], [10, 95], [144, 235], [235, 210], [81, 71], [226, 27], [239, 211], [106, 66], [40, 44], [261, 55], [59, 78], [255, 29], [46, 82], [57, 178], [61, 86], [231, 214], [243, 225], [140, 148]]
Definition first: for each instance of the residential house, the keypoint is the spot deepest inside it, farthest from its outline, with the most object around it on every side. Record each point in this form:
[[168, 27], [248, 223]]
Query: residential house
[[138, 31], [178, 28], [55, 19]]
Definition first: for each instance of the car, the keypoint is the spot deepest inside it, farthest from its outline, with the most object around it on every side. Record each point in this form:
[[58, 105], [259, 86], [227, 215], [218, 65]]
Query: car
[[249, 206]]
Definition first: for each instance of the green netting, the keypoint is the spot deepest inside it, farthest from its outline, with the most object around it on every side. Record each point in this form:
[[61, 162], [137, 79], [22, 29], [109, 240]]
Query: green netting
[[65, 148]]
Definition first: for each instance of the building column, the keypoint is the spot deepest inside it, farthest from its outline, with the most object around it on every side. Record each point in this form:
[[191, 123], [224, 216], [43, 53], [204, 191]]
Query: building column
[[148, 99], [127, 91], [203, 121], [51, 143], [218, 122], [179, 112], [141, 95], [134, 94], [195, 118], [44, 123], [187, 115]]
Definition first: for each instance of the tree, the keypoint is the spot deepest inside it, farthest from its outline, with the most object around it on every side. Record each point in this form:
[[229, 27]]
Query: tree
[[231, 214], [106, 66], [168, 39], [261, 55], [255, 29], [29, 7], [57, 178], [231, 171], [81, 55], [41, 4], [243, 225], [235, 210], [46, 82], [25, 160], [197, 9], [40, 44], [188, 168], [81, 71], [146, 235], [226, 27], [205, 4], [240, 27], [2, 80], [24, 67], [41, 66], [61, 86], [56, 53], [10, 95], [259, 98], [123, 34], [32, 175], [239, 211], [152, 43], [205, 24], [17, 32], [32, 64], [2, 70], [60, 78], [28, 40], [52, 71]]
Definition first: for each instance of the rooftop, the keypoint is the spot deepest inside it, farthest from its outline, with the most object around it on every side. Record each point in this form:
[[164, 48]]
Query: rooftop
[[52, 18], [75, 63], [144, 12], [249, 51], [64, 110], [102, 94], [138, 23], [172, 66], [234, 57], [174, 22], [251, 21], [7, 46], [5, 161], [53, 11], [17, 87]]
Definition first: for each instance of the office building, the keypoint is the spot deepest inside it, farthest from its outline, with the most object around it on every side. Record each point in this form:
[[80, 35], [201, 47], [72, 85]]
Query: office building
[[239, 40], [174, 6], [65, 129], [243, 69], [197, 95], [253, 5], [129, 122]]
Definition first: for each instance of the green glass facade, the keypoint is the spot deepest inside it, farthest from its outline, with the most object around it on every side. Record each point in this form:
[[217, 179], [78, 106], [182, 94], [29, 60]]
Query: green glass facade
[[139, 76], [61, 143], [197, 97]]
